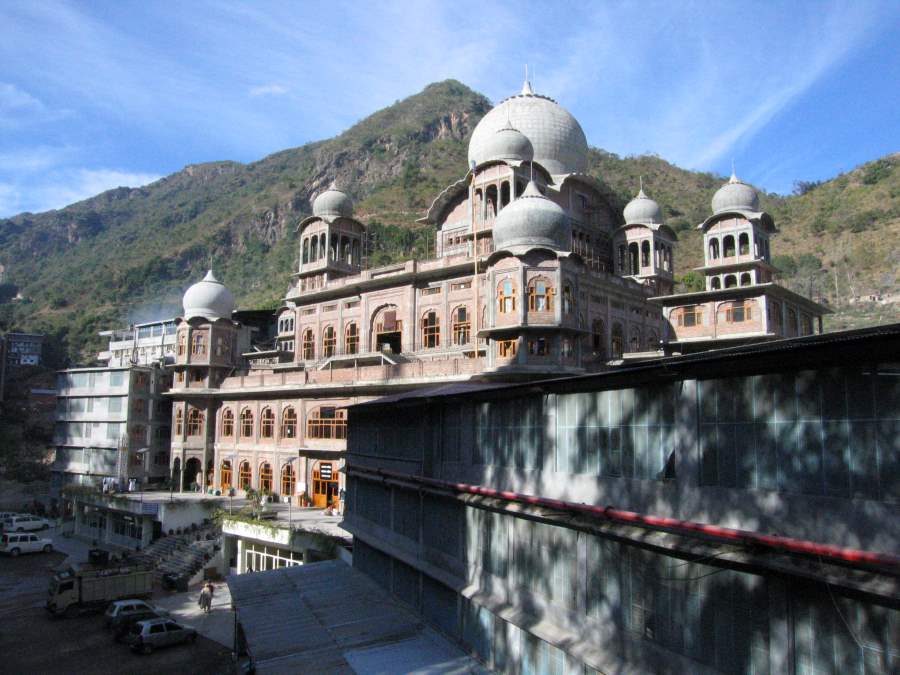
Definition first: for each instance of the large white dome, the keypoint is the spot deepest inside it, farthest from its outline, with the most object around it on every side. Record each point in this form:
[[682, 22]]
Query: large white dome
[[333, 203], [735, 196], [643, 211], [532, 221], [208, 299], [556, 138]]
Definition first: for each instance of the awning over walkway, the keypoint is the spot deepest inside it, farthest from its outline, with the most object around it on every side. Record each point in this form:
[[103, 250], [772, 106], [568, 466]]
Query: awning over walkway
[[327, 617]]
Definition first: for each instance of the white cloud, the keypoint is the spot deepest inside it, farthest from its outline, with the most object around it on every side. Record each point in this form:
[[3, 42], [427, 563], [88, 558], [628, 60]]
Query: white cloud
[[15, 100], [268, 90], [29, 160]]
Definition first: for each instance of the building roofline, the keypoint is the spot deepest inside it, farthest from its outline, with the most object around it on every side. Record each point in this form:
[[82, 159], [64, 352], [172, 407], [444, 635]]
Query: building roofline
[[861, 346], [770, 288]]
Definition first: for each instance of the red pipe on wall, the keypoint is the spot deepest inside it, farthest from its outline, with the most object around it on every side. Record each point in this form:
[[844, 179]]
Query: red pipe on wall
[[770, 541]]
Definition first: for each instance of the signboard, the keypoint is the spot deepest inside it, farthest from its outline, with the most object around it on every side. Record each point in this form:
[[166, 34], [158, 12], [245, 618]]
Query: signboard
[[325, 471]]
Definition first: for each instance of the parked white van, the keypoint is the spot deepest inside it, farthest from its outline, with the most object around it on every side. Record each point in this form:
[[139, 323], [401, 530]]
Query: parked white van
[[15, 543], [25, 522]]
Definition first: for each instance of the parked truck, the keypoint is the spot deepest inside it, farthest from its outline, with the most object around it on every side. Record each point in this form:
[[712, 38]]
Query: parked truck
[[91, 586]]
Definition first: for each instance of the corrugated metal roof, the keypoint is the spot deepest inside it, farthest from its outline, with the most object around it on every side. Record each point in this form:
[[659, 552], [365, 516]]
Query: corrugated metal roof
[[328, 617]]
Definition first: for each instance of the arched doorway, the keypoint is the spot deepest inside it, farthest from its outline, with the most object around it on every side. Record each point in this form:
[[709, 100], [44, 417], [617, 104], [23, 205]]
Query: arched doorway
[[244, 476], [387, 330], [287, 480], [225, 476], [176, 473], [265, 477], [325, 484], [192, 473]]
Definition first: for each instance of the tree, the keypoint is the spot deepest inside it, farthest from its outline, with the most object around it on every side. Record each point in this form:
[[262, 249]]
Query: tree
[[692, 281]]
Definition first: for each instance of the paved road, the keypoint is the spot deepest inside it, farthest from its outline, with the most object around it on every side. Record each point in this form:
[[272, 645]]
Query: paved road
[[33, 642]]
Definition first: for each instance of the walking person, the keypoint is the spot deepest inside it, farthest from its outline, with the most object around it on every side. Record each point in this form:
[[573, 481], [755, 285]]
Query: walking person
[[212, 592], [205, 599]]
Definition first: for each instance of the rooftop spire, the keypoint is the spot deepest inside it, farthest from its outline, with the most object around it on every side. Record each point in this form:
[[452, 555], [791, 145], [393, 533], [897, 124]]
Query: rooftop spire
[[640, 194], [526, 87], [734, 178]]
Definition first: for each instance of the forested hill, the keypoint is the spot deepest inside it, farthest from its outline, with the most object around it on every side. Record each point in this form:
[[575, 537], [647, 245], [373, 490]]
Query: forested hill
[[128, 254]]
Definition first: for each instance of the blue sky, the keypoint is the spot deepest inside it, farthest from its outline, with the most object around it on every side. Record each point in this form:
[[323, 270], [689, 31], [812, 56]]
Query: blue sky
[[94, 95]]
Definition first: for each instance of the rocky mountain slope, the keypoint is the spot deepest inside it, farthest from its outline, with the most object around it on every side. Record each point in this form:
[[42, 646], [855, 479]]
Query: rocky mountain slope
[[127, 254]]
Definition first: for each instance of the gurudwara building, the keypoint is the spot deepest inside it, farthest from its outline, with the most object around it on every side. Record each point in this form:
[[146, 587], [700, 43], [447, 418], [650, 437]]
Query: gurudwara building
[[535, 274]]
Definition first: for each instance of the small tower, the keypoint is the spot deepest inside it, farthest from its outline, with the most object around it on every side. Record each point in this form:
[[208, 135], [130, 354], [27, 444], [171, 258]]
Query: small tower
[[736, 238], [331, 241], [645, 245], [206, 352]]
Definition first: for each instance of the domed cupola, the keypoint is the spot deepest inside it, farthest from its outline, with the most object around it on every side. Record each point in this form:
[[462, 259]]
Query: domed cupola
[[508, 145], [643, 211], [735, 195], [208, 299], [332, 203], [557, 140], [532, 221]]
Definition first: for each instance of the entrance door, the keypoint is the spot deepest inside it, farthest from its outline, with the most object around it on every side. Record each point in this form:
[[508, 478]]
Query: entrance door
[[325, 485]]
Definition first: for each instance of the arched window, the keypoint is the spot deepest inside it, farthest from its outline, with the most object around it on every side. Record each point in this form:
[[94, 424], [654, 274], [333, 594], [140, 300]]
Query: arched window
[[713, 249], [309, 345], [633, 258], [182, 343], [745, 279], [179, 422], [622, 260], [287, 480], [793, 325], [227, 423], [267, 423], [244, 476], [617, 340], [598, 338], [730, 281], [540, 296], [491, 202], [744, 243], [289, 423], [506, 298], [195, 422], [568, 300], [246, 423], [327, 422], [333, 251], [198, 344], [645, 253], [431, 330], [635, 342], [225, 475], [715, 283], [314, 248], [345, 249], [461, 326], [504, 193], [351, 339], [728, 246], [305, 250], [329, 340], [265, 477], [354, 252]]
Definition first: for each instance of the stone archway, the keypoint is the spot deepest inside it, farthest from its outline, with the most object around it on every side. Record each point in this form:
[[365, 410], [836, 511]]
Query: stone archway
[[192, 468]]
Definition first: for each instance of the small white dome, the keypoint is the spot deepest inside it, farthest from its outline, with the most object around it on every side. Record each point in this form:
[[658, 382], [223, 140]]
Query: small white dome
[[507, 144], [208, 299], [735, 196], [643, 211], [332, 203], [532, 221], [557, 140]]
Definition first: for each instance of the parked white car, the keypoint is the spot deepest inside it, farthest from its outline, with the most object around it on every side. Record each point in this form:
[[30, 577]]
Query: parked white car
[[25, 522], [14, 543], [8, 514]]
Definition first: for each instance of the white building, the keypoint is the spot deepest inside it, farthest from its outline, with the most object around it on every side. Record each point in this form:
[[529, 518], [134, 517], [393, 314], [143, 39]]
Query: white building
[[112, 425], [142, 343]]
